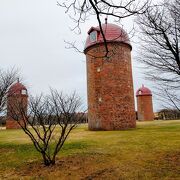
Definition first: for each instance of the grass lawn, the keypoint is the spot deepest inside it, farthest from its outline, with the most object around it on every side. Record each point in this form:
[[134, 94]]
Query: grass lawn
[[151, 151]]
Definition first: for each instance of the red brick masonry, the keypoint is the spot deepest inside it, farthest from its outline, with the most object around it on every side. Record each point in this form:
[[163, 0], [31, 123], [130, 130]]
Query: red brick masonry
[[17, 99], [145, 108], [110, 88], [11, 124]]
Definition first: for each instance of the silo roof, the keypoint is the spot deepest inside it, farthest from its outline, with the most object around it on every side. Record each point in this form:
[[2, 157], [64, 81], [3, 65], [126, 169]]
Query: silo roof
[[112, 32], [16, 88], [142, 91]]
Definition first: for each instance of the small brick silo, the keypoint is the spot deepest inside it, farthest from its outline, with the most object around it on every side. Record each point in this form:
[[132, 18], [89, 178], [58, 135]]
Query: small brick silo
[[17, 98], [109, 80], [144, 104]]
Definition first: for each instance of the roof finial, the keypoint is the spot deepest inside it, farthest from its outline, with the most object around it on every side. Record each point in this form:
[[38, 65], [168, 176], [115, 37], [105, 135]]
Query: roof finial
[[106, 20], [18, 80], [142, 85]]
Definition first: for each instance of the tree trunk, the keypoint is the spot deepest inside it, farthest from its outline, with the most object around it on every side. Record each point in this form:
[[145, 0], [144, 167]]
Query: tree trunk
[[47, 162]]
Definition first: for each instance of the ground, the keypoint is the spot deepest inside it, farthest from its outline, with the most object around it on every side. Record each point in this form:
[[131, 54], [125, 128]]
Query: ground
[[151, 151]]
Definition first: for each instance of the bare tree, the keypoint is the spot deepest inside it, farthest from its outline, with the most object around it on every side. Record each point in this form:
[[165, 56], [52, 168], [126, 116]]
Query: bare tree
[[80, 11], [7, 78], [48, 121], [166, 114], [160, 48]]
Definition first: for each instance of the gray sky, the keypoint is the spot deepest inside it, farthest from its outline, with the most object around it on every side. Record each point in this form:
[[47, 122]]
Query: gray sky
[[32, 34]]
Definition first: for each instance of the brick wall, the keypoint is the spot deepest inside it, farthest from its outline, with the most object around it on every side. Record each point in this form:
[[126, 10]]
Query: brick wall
[[110, 88], [11, 124], [145, 108], [14, 103]]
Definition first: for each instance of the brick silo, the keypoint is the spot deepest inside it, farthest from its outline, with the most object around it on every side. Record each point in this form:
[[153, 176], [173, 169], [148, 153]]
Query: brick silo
[[144, 104], [109, 80], [17, 99]]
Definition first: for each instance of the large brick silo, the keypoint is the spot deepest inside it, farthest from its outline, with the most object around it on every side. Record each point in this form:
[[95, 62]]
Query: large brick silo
[[109, 80], [17, 101], [144, 104]]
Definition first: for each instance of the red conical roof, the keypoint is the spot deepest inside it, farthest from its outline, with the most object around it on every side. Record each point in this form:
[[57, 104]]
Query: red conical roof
[[143, 91], [16, 89], [112, 32]]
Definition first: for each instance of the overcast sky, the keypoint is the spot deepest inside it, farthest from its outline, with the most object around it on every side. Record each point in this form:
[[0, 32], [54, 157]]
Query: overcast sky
[[32, 34]]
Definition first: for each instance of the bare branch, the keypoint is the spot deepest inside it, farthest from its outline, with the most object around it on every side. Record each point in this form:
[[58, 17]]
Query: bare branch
[[82, 10], [7, 78], [160, 48], [48, 122]]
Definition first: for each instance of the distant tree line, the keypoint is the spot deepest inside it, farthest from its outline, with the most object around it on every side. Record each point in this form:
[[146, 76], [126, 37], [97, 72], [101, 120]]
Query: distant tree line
[[169, 114], [55, 119], [83, 119], [2, 120]]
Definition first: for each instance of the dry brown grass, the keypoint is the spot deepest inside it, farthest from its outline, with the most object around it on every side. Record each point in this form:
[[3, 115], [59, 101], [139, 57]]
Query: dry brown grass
[[151, 151]]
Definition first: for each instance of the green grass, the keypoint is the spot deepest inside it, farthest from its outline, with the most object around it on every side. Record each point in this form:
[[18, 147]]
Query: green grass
[[151, 151]]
